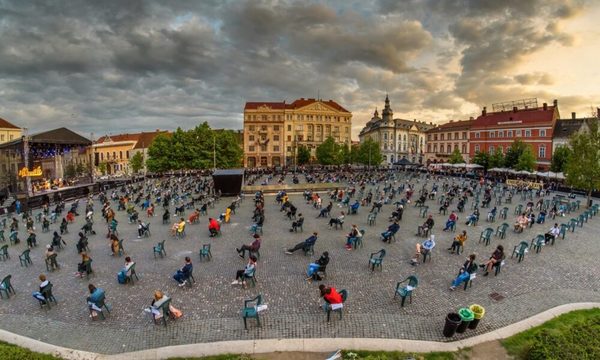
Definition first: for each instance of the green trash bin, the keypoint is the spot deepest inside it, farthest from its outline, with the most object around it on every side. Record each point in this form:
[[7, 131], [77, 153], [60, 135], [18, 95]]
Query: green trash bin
[[478, 312], [466, 316]]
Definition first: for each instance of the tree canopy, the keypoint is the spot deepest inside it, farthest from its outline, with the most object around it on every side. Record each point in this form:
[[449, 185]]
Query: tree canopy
[[136, 162], [560, 157], [369, 153], [303, 155], [526, 160], [513, 153], [482, 158], [583, 164], [456, 157]]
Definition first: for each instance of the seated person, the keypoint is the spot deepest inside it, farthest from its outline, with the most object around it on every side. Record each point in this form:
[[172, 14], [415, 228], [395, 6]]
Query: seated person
[[473, 218], [82, 266], [296, 224], [31, 239], [444, 206], [150, 211], [326, 211], [260, 220], [194, 216], [166, 216], [352, 236], [49, 251], [242, 275], [541, 217], [45, 224], [354, 207], [397, 214], [459, 240], [253, 247], [451, 221], [427, 225], [496, 258], [122, 274], [552, 234], [38, 295], [492, 214], [337, 221], [304, 245], [213, 227], [464, 274], [331, 297], [142, 227], [70, 217], [461, 205], [93, 301], [391, 230], [182, 275], [81, 243], [421, 200], [318, 266], [114, 245], [530, 219], [157, 301], [423, 249], [291, 211], [57, 239], [133, 217], [521, 223]]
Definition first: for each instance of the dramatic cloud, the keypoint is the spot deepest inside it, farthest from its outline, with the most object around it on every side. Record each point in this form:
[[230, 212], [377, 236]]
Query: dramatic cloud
[[113, 66]]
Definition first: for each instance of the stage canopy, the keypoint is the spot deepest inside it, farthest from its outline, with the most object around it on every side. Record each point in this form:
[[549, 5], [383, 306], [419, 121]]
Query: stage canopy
[[228, 181]]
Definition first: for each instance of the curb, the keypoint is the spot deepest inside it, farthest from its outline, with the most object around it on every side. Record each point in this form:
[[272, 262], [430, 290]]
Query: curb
[[301, 345]]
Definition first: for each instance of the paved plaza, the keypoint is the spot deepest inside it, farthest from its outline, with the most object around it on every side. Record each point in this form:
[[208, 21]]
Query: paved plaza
[[564, 273]]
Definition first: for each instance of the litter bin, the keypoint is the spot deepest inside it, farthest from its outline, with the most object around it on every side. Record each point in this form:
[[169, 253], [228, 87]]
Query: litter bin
[[452, 322], [478, 312], [466, 316]]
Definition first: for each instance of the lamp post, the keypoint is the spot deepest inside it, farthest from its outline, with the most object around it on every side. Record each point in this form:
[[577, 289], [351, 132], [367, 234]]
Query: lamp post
[[26, 159], [92, 158], [214, 151]]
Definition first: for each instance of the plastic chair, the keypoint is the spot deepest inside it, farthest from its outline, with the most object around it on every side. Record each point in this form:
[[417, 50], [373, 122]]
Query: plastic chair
[[24, 258], [250, 310], [406, 291], [520, 250], [160, 249], [376, 261]]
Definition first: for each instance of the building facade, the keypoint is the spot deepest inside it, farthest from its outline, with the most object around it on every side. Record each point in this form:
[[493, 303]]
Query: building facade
[[397, 138], [8, 131], [534, 125], [442, 140], [565, 128], [116, 150], [274, 130]]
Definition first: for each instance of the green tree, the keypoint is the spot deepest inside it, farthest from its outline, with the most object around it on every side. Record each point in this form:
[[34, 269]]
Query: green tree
[[159, 159], [102, 167], [482, 158], [370, 153], [496, 160], [327, 152], [513, 153], [583, 165], [229, 153], [527, 160], [136, 162], [344, 154], [303, 155], [560, 158], [82, 169], [456, 157], [355, 154], [70, 171]]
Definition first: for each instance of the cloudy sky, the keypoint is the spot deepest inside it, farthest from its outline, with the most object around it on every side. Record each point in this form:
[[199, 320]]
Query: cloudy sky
[[115, 66]]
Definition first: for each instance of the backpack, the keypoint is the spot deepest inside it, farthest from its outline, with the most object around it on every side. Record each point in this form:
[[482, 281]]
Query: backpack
[[121, 277]]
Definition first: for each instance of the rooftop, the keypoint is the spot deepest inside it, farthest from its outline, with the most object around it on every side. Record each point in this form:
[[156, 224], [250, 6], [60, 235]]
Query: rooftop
[[4, 124], [296, 104]]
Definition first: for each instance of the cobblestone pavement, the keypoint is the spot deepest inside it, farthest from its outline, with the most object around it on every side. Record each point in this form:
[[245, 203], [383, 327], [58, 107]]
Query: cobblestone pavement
[[563, 273]]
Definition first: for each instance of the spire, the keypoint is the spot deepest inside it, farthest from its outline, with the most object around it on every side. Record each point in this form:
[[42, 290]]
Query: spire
[[387, 101], [387, 113], [376, 113]]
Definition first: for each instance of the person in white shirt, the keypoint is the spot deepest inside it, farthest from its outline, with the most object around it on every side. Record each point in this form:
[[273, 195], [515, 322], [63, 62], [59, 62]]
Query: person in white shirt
[[552, 234]]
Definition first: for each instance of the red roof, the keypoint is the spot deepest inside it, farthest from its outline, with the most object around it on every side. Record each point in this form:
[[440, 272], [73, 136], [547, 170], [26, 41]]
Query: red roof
[[299, 103], [6, 125], [524, 117], [146, 138], [118, 137], [453, 125]]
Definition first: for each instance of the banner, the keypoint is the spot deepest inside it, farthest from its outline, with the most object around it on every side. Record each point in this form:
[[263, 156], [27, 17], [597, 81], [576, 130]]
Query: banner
[[523, 183]]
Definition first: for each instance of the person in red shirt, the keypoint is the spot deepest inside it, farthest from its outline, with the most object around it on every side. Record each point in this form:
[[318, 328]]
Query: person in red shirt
[[330, 295], [213, 227]]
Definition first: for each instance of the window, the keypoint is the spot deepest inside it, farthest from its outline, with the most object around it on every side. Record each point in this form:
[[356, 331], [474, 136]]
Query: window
[[275, 127], [464, 148], [251, 128], [476, 135], [428, 137], [1, 137], [543, 133], [251, 138], [476, 148], [527, 133], [276, 148], [263, 148], [319, 128], [542, 152], [275, 137], [289, 127], [289, 149], [455, 136], [455, 146], [114, 154], [492, 134], [441, 136], [120, 155], [10, 137], [385, 136], [101, 156], [518, 133], [434, 137], [278, 117], [127, 154], [510, 133], [500, 150], [264, 117], [289, 137], [435, 148], [428, 148], [251, 148], [491, 149], [449, 148], [464, 135]]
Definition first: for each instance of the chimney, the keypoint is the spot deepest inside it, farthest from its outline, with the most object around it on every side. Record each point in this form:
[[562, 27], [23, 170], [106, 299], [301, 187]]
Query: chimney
[[484, 111], [555, 102], [514, 109], [471, 118], [573, 115], [545, 106]]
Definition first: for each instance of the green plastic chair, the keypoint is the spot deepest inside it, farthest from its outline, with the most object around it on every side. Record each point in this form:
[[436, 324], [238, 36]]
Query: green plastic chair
[[49, 298], [518, 209], [164, 309], [406, 291], [2, 238], [581, 219], [4, 252], [376, 261], [6, 287], [371, 218], [358, 241], [24, 258], [537, 243], [486, 236], [423, 211], [250, 310], [344, 294], [121, 248], [160, 249], [205, 252], [130, 274], [572, 224], [520, 250], [563, 230], [88, 268], [101, 304], [501, 230], [51, 263]]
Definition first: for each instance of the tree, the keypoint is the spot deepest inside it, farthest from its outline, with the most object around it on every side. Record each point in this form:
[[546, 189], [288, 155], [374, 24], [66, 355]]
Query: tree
[[327, 152], [355, 154], [482, 158], [583, 165], [70, 171], [136, 162], [102, 168], [229, 153], [526, 160], [370, 153], [303, 155], [496, 160], [560, 158], [514, 153], [158, 154], [82, 169], [456, 157]]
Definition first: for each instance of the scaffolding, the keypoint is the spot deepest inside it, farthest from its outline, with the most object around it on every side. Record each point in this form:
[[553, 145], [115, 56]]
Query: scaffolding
[[521, 104]]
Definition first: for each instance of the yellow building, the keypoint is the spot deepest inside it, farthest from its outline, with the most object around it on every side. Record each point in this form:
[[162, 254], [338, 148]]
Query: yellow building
[[8, 131], [116, 150], [274, 130]]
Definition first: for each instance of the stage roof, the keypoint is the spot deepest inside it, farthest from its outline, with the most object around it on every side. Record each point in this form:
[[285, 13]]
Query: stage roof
[[60, 136]]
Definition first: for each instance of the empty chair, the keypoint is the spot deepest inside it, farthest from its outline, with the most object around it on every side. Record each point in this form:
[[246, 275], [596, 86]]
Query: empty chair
[[250, 310], [24, 258], [376, 259], [160, 249], [520, 251], [205, 252], [406, 291], [6, 287]]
